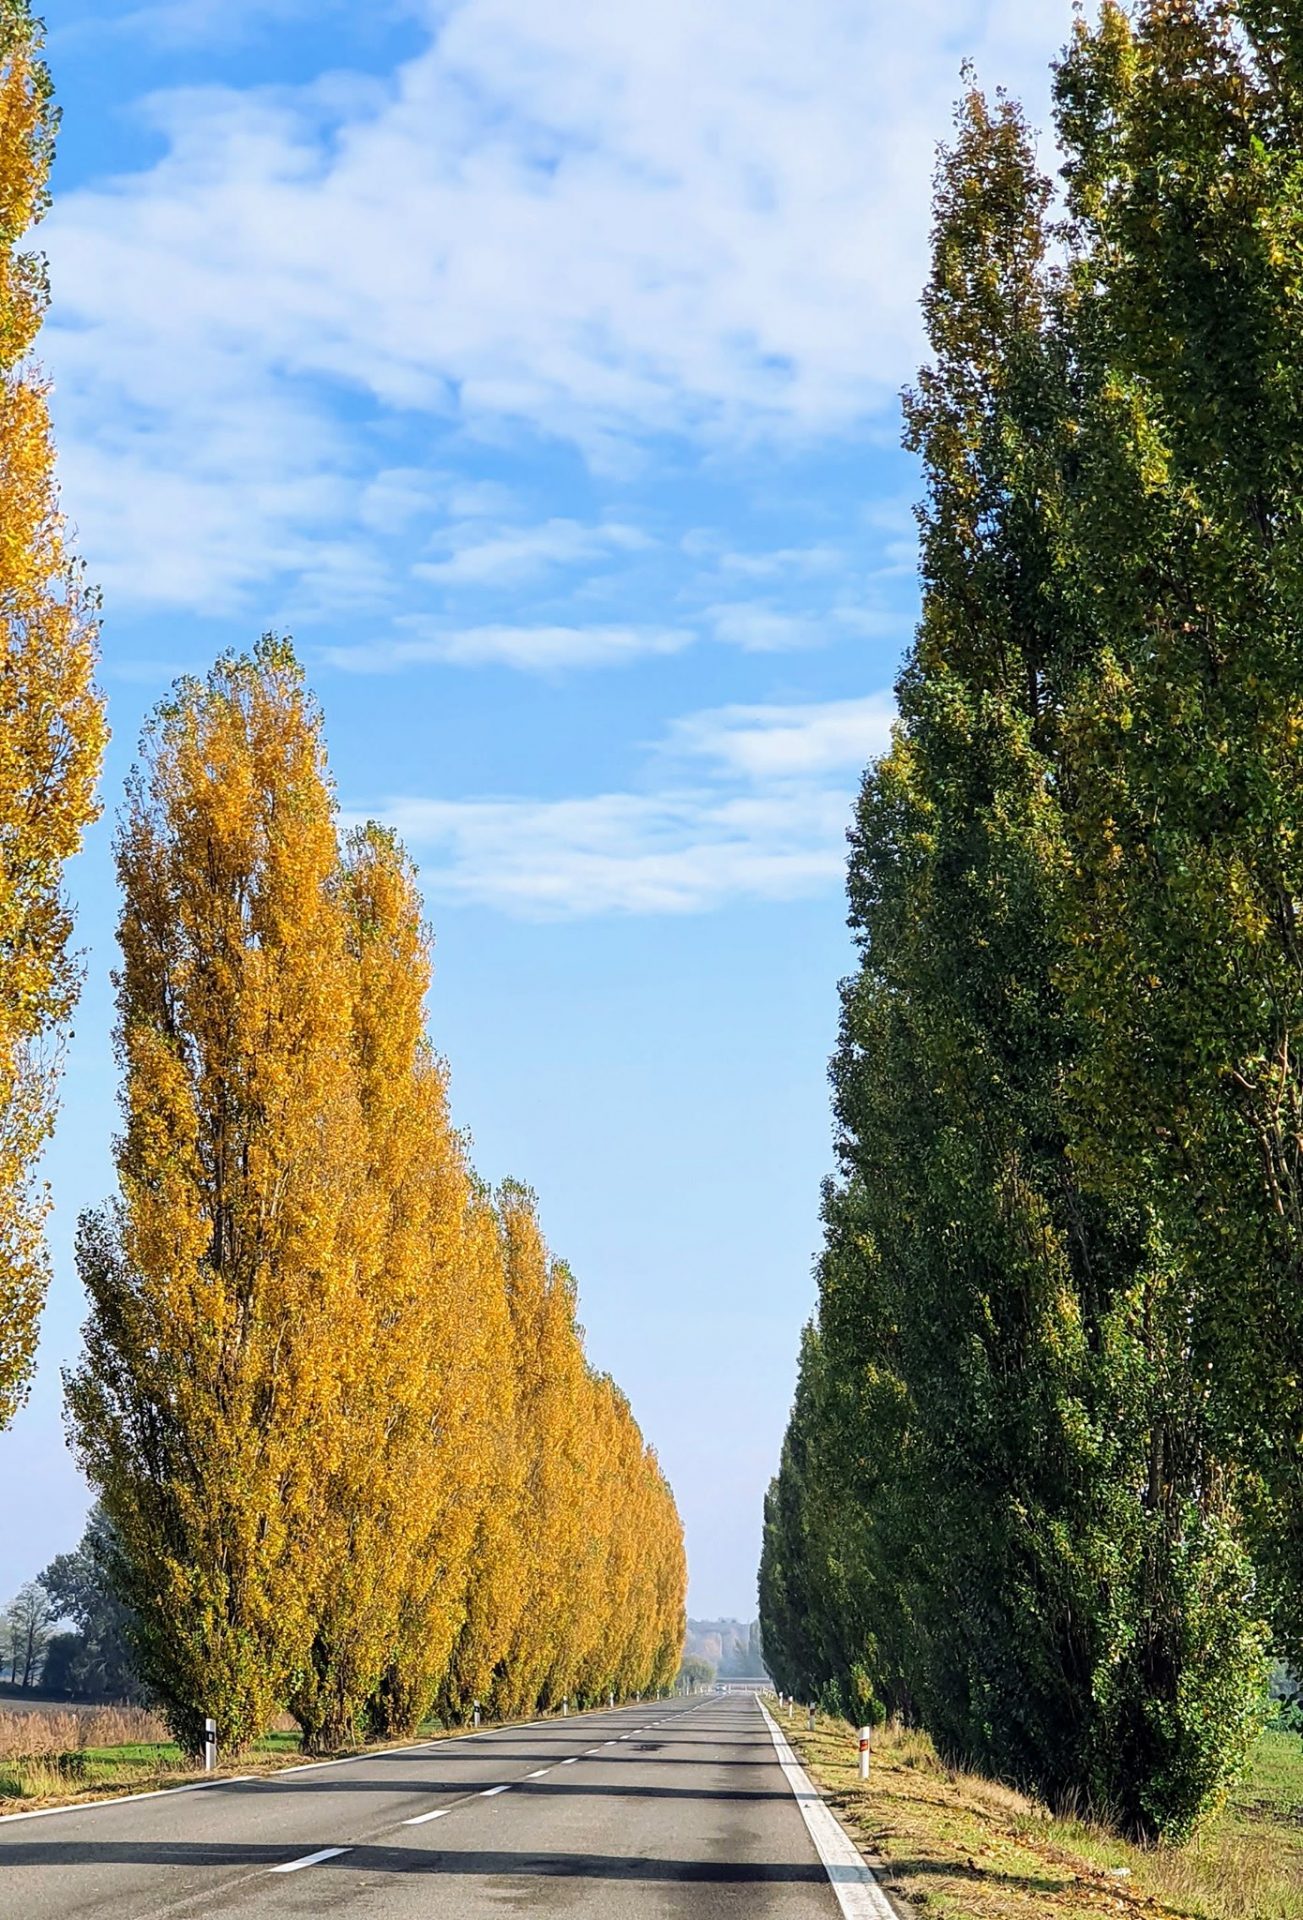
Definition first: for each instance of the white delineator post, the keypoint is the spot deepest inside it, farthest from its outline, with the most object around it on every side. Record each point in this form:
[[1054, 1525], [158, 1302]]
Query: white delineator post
[[610, 1699], [210, 1744], [565, 1708], [810, 1718], [865, 1737], [476, 1714]]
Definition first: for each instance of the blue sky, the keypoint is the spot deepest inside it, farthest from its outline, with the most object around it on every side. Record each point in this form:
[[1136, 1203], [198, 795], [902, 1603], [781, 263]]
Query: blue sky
[[536, 366]]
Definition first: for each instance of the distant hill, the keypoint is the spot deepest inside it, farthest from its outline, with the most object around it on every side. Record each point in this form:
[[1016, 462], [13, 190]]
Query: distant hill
[[731, 1647]]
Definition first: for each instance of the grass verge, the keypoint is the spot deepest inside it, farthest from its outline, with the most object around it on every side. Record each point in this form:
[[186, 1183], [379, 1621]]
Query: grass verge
[[91, 1773], [133, 1766], [954, 1846]]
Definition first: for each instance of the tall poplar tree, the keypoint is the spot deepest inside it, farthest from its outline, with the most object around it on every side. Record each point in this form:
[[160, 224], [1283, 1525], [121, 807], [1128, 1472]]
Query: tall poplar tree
[[207, 1409], [1184, 747], [396, 1511], [550, 1380], [1068, 1592], [52, 729], [495, 1590]]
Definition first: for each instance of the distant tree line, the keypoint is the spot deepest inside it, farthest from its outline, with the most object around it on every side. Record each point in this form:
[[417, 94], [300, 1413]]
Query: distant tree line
[[730, 1647], [67, 1632], [1042, 1488]]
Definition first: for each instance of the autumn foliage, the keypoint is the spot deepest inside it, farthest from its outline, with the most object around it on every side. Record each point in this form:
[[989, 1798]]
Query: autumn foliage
[[334, 1396], [51, 720]]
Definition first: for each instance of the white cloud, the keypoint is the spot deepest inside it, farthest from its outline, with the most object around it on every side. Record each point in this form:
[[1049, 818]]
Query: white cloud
[[508, 555], [793, 561], [767, 822], [625, 853], [194, 23], [531, 649], [422, 640], [593, 222], [757, 628], [785, 742]]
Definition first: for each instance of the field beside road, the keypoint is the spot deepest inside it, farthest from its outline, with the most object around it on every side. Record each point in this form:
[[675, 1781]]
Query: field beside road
[[69, 1752], [958, 1847]]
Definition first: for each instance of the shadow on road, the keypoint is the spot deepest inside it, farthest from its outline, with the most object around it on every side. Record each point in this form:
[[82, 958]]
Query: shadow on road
[[470, 1864], [457, 1788]]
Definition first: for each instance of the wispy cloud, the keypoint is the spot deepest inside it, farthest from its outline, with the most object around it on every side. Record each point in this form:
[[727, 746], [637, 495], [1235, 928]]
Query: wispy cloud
[[193, 23], [531, 649], [508, 555], [787, 742], [791, 561], [624, 853], [585, 223], [764, 820], [757, 626]]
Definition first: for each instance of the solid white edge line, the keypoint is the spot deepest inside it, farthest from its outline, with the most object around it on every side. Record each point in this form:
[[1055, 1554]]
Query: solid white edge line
[[311, 1859], [125, 1799], [281, 1773], [852, 1880]]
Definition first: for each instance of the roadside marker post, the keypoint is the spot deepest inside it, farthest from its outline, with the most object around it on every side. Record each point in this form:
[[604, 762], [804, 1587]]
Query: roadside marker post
[[865, 1737], [565, 1708], [610, 1698], [210, 1744], [475, 1716], [810, 1719]]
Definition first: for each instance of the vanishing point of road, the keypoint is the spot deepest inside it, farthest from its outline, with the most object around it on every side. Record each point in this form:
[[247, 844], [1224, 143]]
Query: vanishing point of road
[[681, 1811]]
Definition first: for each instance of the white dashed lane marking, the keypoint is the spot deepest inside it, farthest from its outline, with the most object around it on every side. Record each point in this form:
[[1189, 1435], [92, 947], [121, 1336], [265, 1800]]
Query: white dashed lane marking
[[441, 1813], [311, 1859]]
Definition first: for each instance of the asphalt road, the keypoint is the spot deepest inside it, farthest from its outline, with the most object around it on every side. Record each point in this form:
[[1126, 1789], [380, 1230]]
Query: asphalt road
[[669, 1809]]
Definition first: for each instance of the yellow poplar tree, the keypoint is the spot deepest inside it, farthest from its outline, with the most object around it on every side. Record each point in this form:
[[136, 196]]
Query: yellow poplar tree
[[496, 1589], [207, 1407], [550, 1377], [52, 729], [461, 1590], [418, 1393], [667, 1577], [590, 1639], [371, 1494], [598, 1547]]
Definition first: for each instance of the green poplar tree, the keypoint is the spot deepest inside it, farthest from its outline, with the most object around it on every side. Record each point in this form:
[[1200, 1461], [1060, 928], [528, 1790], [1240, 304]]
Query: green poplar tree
[[1068, 1590], [1183, 127]]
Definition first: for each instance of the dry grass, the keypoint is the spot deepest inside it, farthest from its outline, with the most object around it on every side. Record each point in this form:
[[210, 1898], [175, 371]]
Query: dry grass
[[955, 1846], [35, 1736], [126, 1750]]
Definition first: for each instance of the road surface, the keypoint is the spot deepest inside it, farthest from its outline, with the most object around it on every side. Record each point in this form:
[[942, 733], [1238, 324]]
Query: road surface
[[673, 1809]]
